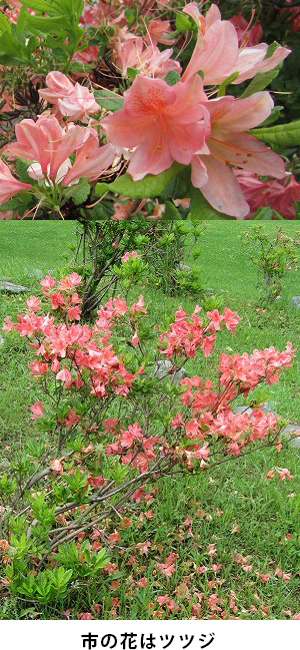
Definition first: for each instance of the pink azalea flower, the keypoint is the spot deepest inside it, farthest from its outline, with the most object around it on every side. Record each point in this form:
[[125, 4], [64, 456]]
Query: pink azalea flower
[[37, 410], [281, 195], [164, 124], [284, 473], [217, 53], [71, 100], [229, 145], [132, 53], [78, 104], [46, 142], [89, 55], [90, 160], [135, 340], [157, 32], [58, 86], [8, 184], [65, 376], [33, 303], [127, 256]]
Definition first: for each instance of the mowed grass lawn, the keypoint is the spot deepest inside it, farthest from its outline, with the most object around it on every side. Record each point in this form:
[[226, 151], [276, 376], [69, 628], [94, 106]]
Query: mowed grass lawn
[[234, 508]]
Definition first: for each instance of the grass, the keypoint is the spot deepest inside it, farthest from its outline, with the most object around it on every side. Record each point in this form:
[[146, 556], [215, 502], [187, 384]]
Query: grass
[[235, 508]]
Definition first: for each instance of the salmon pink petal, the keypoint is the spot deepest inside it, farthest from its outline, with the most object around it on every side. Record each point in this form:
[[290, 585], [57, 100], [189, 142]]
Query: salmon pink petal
[[121, 130], [186, 108], [199, 175], [252, 60], [215, 53], [186, 141], [248, 153], [31, 143], [150, 157], [245, 114], [8, 184], [164, 122], [148, 96], [58, 85], [220, 107], [222, 190], [92, 165], [212, 15]]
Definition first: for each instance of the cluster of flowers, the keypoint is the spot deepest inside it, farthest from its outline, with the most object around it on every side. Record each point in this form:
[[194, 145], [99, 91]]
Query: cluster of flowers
[[83, 360], [159, 123], [280, 195]]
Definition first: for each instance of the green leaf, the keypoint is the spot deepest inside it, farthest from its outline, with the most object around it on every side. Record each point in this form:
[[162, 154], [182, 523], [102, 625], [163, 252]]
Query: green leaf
[[99, 212], [271, 49], [283, 135], [171, 213], [46, 23], [21, 167], [12, 204], [132, 73], [202, 210], [172, 78], [226, 82], [33, 44], [22, 19], [10, 46], [179, 186], [38, 5], [109, 100], [81, 193], [183, 24], [147, 187], [275, 113], [5, 25], [260, 82], [263, 214]]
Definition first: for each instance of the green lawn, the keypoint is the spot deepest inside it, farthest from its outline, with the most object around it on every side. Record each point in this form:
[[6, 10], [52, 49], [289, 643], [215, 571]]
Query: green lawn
[[235, 508]]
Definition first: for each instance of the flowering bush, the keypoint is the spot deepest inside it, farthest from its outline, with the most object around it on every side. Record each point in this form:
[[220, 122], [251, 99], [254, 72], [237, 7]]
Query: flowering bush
[[111, 424], [166, 130], [273, 257]]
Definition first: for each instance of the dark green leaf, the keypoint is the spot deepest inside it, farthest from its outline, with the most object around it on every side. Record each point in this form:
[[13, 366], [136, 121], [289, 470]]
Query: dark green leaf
[[172, 78], [12, 204], [260, 82], [81, 193], [21, 167], [171, 213], [179, 186], [147, 187]]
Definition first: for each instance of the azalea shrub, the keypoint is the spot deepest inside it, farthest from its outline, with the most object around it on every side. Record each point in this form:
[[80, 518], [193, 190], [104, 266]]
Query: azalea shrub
[[273, 256], [115, 414], [123, 120]]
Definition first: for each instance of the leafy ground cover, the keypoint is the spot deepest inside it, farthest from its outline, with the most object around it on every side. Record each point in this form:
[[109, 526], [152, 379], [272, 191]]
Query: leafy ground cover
[[220, 544]]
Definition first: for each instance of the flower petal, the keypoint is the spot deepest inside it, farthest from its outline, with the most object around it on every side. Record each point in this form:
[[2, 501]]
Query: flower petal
[[246, 152], [222, 190], [244, 114]]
